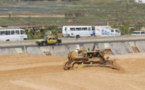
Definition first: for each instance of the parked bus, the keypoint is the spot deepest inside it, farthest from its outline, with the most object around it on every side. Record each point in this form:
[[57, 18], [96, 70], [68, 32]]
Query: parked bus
[[76, 31], [86, 31], [12, 34], [138, 33]]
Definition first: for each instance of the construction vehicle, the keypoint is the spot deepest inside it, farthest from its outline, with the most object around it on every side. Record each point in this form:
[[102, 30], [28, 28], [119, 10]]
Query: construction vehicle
[[93, 58], [48, 40]]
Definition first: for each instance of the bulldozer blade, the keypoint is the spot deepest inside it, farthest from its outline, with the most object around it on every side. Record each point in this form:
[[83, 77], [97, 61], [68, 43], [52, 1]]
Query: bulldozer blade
[[66, 66], [105, 66]]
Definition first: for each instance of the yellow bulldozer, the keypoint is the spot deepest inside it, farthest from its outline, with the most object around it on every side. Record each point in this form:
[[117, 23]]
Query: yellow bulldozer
[[94, 58]]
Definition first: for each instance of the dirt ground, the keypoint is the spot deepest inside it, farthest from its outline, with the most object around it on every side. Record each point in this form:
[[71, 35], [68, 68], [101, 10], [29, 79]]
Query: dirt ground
[[23, 72]]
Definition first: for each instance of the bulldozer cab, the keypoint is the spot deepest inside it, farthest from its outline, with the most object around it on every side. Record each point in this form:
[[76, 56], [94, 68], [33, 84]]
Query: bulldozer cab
[[94, 54]]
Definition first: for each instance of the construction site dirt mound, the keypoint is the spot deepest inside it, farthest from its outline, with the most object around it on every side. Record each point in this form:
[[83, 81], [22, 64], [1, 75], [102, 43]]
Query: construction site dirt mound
[[131, 63], [23, 72]]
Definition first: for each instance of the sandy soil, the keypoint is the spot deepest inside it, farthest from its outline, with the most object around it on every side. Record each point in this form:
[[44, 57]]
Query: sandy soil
[[22, 72]]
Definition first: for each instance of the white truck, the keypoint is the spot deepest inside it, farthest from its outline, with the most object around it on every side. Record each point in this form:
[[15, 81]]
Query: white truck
[[86, 31]]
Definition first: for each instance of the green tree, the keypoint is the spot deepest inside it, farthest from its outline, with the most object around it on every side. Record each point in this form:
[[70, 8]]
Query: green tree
[[124, 28], [55, 33]]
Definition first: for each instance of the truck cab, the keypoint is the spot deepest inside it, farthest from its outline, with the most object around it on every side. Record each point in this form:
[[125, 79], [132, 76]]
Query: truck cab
[[48, 40]]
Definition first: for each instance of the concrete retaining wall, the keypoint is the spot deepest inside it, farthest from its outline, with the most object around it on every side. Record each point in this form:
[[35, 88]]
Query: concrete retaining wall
[[141, 45], [121, 48], [59, 51], [19, 50], [8, 51], [88, 46], [72, 47], [101, 46], [34, 51], [63, 50]]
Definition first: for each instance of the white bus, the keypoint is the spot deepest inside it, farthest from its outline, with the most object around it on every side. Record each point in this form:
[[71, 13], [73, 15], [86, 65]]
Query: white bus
[[74, 31], [86, 31], [138, 33], [12, 34]]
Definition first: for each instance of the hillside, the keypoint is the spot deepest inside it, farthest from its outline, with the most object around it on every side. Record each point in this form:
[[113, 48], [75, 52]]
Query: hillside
[[76, 12]]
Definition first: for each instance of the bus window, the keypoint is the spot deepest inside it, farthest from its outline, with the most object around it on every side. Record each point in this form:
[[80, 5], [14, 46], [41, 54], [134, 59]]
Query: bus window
[[84, 29], [117, 31], [93, 28], [72, 29], [136, 33], [7, 32], [78, 29], [142, 32], [22, 32], [12, 32], [17, 32], [112, 30], [0, 32], [3, 33], [89, 28]]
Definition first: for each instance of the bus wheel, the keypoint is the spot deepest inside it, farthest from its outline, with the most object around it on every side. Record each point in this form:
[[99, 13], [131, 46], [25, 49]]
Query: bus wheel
[[77, 36], [7, 40], [25, 38]]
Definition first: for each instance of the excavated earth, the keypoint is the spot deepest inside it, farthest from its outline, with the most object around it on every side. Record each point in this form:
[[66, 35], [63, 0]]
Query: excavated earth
[[24, 72]]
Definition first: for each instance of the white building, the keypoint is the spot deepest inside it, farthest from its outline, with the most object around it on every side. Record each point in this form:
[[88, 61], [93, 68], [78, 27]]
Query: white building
[[140, 1]]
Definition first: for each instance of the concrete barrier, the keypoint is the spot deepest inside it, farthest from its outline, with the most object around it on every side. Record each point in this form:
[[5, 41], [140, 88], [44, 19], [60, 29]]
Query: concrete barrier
[[134, 47], [73, 47], [128, 48], [19, 50], [63, 50], [101, 46], [120, 48], [59, 51], [141, 45], [46, 50], [73, 40], [34, 51], [88, 46], [7, 51]]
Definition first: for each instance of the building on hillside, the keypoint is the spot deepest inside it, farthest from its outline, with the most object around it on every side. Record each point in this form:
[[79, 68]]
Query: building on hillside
[[140, 1]]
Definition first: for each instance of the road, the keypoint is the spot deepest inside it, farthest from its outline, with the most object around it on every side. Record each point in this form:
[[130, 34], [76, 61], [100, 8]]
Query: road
[[70, 41]]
